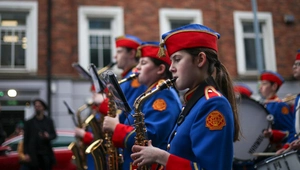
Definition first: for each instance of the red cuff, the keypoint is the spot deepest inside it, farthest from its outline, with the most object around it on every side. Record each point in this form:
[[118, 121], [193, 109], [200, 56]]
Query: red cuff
[[278, 136], [175, 162], [87, 138], [103, 107], [120, 133], [285, 146]]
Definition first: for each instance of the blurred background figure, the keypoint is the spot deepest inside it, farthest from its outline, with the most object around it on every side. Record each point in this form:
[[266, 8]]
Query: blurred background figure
[[2, 135], [39, 131], [126, 50], [2, 132], [296, 73], [19, 130], [242, 90], [282, 131]]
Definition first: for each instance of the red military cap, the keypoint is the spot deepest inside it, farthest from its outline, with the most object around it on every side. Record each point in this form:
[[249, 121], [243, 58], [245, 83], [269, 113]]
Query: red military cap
[[150, 49], [190, 36], [243, 89], [129, 41], [298, 55], [272, 77]]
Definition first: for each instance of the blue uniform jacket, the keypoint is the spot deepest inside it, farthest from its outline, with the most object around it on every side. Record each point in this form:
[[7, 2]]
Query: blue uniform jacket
[[283, 119], [131, 89], [295, 111], [204, 140], [160, 112]]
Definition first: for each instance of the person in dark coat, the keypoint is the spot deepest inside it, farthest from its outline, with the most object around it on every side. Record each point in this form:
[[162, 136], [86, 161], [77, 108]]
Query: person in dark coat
[[39, 131]]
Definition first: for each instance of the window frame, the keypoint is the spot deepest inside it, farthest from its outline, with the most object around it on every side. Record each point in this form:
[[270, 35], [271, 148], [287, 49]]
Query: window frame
[[168, 14], [86, 12], [268, 43], [31, 34]]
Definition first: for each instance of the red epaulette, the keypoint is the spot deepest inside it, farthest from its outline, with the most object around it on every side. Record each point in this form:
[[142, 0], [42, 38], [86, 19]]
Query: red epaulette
[[211, 92]]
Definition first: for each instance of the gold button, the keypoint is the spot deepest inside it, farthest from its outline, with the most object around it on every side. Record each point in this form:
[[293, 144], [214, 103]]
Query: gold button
[[168, 147], [175, 133]]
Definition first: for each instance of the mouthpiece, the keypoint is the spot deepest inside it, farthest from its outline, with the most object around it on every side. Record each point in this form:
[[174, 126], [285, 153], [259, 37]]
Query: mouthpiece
[[110, 65], [132, 76], [167, 84]]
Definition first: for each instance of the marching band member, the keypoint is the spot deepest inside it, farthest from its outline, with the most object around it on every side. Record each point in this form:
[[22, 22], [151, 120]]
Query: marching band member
[[160, 110], [207, 127], [282, 132], [296, 72], [126, 48], [242, 90], [86, 135], [126, 60], [125, 57]]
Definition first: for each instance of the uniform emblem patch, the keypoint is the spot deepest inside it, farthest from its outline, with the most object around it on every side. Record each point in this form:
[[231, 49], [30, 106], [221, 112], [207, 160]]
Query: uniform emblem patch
[[159, 104], [215, 120], [135, 83], [285, 110]]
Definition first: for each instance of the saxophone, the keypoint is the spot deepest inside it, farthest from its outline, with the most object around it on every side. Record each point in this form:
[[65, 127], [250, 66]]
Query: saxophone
[[98, 152], [112, 156], [93, 123], [132, 76], [140, 128], [77, 147], [97, 148], [110, 65]]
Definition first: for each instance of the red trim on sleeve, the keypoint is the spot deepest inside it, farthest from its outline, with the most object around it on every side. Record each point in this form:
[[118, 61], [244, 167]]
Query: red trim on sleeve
[[175, 162], [278, 136], [156, 167], [285, 146], [87, 138], [120, 134], [103, 107]]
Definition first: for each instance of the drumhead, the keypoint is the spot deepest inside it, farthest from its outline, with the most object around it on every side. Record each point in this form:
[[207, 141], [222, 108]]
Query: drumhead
[[252, 117], [289, 160]]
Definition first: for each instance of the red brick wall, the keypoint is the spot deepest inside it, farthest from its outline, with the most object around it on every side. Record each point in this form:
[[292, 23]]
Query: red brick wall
[[141, 19]]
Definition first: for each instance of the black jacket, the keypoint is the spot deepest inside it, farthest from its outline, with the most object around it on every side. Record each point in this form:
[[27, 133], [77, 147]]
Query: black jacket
[[34, 144]]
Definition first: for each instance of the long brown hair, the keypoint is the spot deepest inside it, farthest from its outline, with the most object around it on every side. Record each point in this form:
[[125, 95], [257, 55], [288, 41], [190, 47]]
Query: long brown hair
[[222, 79]]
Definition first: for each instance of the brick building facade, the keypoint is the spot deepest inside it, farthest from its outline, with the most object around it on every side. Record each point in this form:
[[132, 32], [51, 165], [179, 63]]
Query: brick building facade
[[75, 26]]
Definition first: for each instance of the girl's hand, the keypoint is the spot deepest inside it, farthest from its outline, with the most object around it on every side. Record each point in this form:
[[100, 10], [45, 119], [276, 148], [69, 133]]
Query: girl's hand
[[145, 155], [110, 123]]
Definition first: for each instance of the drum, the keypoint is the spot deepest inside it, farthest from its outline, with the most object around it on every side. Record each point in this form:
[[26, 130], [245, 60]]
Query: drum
[[253, 120], [286, 161]]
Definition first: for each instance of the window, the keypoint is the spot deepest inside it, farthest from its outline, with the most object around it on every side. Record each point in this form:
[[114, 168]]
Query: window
[[18, 36], [98, 26], [174, 18], [178, 23], [100, 41], [13, 39], [245, 42]]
